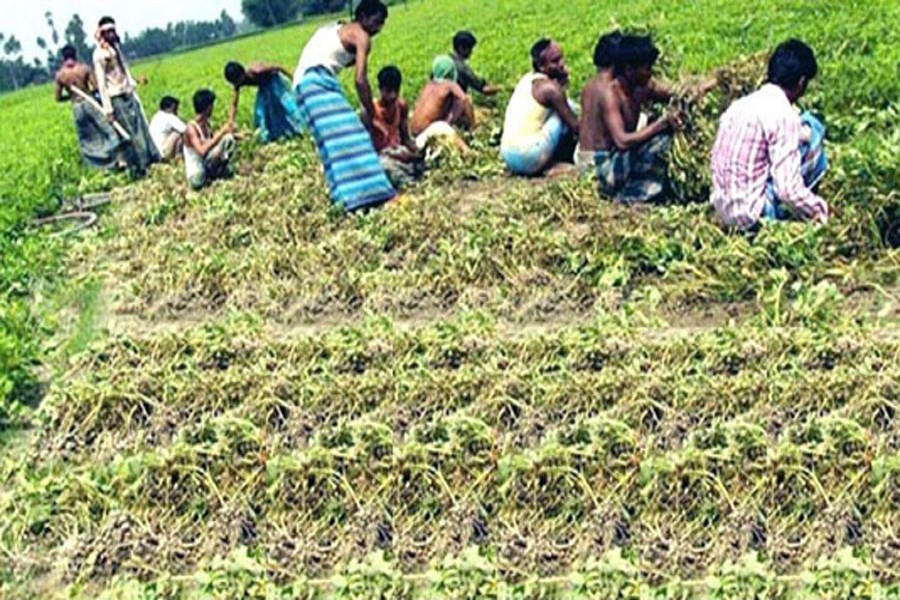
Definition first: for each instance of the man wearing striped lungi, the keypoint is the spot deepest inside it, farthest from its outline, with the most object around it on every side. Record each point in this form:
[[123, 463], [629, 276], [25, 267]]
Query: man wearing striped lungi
[[354, 173]]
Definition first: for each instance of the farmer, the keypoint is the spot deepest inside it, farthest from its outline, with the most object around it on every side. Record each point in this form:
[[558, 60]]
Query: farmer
[[207, 156], [605, 56], [768, 157], [400, 157], [275, 114], [463, 46], [630, 163], [541, 123], [355, 176], [167, 129], [119, 100], [99, 143], [442, 106]]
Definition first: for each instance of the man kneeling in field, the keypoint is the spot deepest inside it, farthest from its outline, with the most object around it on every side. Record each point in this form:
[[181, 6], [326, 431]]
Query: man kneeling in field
[[541, 124], [442, 106], [767, 156], [630, 163], [208, 156]]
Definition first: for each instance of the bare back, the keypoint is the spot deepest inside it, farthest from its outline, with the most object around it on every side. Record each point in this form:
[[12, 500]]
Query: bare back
[[592, 124], [435, 104], [79, 76]]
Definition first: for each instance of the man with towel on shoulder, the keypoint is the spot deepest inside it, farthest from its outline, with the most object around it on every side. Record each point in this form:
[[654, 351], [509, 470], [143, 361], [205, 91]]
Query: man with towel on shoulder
[[442, 106]]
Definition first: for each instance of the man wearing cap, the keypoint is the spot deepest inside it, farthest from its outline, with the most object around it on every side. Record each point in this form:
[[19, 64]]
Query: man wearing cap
[[442, 106]]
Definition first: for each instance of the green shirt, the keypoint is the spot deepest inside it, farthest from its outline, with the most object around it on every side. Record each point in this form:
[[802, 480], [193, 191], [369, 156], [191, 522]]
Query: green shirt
[[466, 77]]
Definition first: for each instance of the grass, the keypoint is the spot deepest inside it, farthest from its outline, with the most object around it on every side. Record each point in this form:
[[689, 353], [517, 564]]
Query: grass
[[502, 388]]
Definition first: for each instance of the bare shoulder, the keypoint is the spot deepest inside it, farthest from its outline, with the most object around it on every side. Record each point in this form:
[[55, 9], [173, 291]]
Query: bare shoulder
[[547, 88], [354, 35]]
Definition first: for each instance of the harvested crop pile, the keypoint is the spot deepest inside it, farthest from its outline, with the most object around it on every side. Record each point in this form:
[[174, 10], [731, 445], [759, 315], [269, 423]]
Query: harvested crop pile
[[691, 149]]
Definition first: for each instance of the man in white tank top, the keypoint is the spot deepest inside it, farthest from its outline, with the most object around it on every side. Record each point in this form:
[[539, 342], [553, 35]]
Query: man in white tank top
[[352, 169], [541, 122]]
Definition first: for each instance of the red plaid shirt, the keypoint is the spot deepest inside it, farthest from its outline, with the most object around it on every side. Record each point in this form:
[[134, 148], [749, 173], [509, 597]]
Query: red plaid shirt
[[759, 139]]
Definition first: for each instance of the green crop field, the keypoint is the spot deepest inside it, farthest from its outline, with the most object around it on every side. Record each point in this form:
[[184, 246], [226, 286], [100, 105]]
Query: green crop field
[[499, 388]]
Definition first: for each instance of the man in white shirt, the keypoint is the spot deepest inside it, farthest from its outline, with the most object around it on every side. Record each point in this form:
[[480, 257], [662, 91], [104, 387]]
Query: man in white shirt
[[167, 130], [119, 99]]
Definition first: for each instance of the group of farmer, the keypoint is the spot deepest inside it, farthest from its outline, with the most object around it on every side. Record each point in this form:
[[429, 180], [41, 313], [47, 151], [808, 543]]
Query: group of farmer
[[767, 159]]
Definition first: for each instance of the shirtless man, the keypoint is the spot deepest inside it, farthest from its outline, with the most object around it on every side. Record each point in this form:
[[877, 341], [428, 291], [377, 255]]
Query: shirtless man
[[605, 55], [630, 163], [441, 106], [275, 114], [100, 144]]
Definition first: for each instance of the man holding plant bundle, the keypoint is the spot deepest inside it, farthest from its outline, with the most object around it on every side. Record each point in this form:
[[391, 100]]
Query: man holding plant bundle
[[630, 162]]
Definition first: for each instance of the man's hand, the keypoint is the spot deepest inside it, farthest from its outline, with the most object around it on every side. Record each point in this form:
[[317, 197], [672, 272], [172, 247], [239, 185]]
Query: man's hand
[[675, 118], [110, 116], [380, 128], [491, 90]]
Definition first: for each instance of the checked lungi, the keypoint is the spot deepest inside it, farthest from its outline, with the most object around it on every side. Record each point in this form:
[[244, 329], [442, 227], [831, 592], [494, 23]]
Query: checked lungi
[[354, 173], [634, 176], [141, 152], [99, 143]]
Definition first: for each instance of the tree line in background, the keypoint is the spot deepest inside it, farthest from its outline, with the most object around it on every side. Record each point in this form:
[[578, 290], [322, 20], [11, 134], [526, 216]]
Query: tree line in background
[[16, 72], [268, 13]]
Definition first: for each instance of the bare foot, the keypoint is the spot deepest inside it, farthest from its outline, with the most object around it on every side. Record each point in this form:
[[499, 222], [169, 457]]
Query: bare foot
[[561, 170]]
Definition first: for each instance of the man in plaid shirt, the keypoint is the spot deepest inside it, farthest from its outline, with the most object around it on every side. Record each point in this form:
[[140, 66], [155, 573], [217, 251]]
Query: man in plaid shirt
[[767, 156]]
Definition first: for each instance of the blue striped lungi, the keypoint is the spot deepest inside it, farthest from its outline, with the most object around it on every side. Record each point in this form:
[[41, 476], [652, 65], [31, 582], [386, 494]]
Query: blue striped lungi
[[275, 114], [813, 165], [354, 173]]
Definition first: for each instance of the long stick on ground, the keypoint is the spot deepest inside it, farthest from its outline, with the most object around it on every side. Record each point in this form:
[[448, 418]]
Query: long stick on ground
[[90, 100]]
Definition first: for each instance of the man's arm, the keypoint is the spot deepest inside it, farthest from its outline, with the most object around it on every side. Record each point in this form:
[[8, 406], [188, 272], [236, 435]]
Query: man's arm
[[100, 74], [405, 138], [785, 160], [611, 112], [59, 92], [659, 92], [462, 113], [232, 113], [203, 147], [550, 94], [363, 46]]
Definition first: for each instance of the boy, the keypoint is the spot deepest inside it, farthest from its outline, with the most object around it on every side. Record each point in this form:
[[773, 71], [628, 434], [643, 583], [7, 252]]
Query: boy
[[167, 130], [390, 131], [207, 156], [463, 46]]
